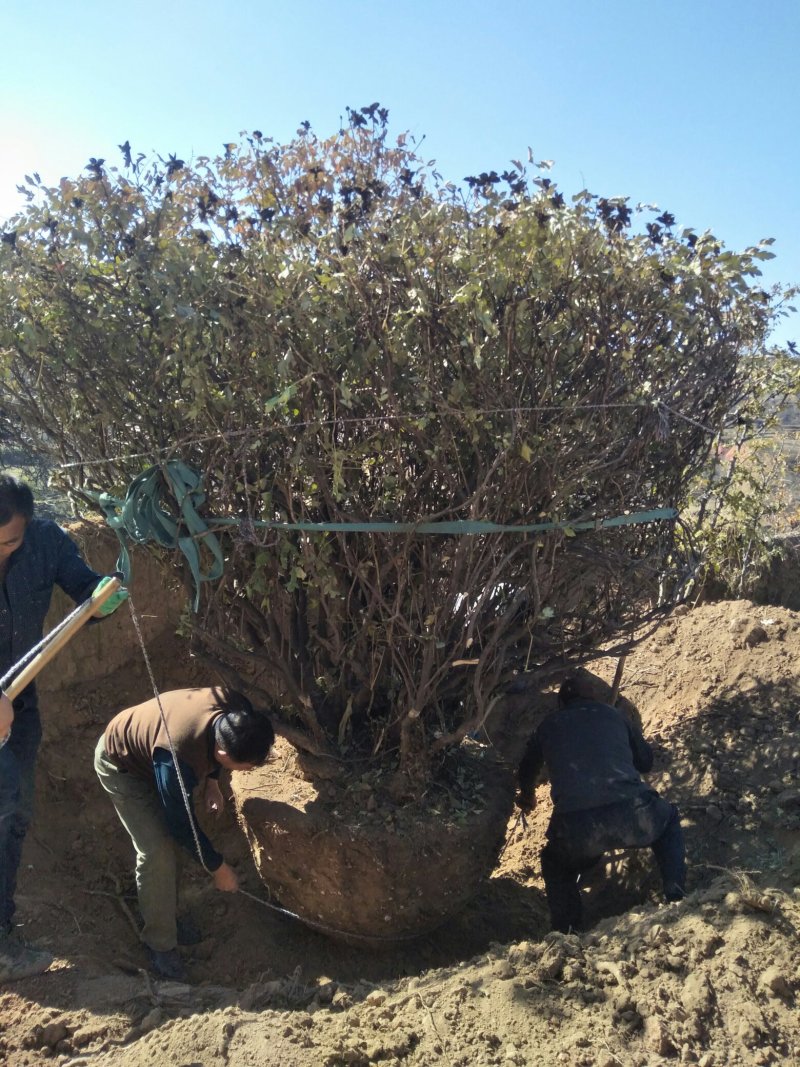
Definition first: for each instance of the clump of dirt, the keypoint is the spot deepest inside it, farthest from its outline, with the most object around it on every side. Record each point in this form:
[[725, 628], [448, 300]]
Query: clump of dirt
[[713, 980]]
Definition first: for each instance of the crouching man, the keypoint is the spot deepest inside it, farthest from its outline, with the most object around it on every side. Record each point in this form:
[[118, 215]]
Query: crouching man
[[151, 790], [593, 755]]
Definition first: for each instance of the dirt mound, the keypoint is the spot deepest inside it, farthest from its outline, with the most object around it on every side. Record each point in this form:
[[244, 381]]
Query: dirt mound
[[711, 981]]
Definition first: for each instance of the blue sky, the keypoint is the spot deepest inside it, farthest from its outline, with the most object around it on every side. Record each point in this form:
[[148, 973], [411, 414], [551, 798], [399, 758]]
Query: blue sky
[[694, 105]]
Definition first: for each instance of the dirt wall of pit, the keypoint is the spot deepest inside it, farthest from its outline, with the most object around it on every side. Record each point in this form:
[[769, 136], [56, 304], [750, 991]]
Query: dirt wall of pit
[[775, 582], [779, 580]]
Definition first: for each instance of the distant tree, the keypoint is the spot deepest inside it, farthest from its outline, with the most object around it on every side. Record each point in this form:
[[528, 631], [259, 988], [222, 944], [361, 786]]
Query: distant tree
[[330, 333]]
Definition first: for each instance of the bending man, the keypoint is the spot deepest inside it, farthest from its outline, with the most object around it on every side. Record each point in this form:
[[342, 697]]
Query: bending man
[[208, 730], [593, 756]]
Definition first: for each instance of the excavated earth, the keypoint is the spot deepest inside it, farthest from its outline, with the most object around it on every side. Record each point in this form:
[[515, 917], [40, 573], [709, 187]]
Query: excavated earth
[[711, 981]]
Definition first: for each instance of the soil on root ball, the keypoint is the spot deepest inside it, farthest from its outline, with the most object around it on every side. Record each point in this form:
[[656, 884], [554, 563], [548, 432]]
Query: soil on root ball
[[357, 865]]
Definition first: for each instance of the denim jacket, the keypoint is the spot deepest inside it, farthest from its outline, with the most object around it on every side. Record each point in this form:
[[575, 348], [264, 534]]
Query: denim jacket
[[48, 556], [593, 755]]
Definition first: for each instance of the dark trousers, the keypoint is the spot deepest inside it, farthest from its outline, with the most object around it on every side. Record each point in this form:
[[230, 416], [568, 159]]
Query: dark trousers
[[17, 767], [577, 840]]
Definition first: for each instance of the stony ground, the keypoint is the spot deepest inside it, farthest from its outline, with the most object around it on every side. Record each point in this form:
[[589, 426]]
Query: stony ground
[[711, 981]]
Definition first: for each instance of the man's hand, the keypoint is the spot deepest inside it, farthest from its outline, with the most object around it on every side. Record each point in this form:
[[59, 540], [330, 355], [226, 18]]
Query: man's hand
[[6, 718], [225, 879], [525, 803], [214, 800], [113, 601]]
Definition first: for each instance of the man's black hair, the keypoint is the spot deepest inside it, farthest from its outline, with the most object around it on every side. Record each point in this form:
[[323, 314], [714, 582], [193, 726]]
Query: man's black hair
[[16, 498], [245, 734]]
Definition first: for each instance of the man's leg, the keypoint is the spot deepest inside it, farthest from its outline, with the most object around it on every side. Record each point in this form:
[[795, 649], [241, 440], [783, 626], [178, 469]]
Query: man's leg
[[561, 888], [9, 803], [572, 849], [17, 767], [139, 810], [576, 842], [17, 775], [670, 855], [652, 822]]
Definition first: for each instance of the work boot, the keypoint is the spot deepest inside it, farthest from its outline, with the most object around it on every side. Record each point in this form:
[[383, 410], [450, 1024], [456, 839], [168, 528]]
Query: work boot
[[18, 960], [167, 965]]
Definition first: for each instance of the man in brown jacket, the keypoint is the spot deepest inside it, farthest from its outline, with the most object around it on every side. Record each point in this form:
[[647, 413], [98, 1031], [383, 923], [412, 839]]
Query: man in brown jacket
[[150, 760]]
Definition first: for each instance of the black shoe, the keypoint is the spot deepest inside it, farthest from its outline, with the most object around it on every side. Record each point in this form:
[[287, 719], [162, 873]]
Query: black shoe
[[188, 931], [167, 965], [18, 960]]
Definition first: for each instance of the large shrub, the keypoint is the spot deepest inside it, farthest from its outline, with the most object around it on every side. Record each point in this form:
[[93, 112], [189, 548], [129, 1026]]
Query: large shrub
[[330, 333]]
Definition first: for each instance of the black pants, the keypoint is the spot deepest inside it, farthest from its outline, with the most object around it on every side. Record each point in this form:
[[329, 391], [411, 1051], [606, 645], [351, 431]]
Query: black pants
[[17, 768], [577, 840]]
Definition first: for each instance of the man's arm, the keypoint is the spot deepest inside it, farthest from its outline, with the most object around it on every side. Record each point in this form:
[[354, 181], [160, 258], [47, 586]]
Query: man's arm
[[642, 752], [180, 821], [77, 578], [111, 603], [529, 770], [72, 574]]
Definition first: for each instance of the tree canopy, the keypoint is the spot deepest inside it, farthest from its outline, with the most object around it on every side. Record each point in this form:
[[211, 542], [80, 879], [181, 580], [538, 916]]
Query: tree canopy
[[328, 332]]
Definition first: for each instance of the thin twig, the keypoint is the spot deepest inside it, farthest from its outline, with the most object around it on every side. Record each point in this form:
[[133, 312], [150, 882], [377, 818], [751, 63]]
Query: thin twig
[[442, 1040], [119, 899]]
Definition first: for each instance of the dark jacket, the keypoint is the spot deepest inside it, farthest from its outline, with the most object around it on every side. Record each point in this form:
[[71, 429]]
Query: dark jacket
[[593, 755], [47, 557]]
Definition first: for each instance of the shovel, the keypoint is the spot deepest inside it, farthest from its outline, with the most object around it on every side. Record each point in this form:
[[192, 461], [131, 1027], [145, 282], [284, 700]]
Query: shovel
[[60, 637]]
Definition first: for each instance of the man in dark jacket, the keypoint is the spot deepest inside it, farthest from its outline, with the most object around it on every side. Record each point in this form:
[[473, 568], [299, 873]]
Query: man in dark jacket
[[150, 760], [35, 556], [593, 755]]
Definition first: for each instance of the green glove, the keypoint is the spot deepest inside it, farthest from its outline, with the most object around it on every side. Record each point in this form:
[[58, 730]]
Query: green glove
[[113, 601]]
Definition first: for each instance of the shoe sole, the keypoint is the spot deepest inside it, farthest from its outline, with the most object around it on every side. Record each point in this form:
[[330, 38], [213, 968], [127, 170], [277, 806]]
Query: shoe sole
[[14, 974]]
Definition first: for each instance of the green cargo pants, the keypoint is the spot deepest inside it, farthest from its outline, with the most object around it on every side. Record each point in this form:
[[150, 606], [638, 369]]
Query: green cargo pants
[[139, 808]]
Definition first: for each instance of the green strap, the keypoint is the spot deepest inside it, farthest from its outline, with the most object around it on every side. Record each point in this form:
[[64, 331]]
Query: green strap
[[460, 526], [140, 517]]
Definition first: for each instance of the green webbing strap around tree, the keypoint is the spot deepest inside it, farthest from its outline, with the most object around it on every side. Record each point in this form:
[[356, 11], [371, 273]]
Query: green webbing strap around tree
[[140, 518], [460, 526]]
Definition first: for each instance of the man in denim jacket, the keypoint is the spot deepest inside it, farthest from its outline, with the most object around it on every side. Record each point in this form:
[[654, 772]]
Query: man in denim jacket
[[35, 556], [594, 756]]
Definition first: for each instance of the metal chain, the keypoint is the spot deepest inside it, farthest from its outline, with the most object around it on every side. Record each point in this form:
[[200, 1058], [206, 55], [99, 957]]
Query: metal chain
[[157, 695], [229, 435]]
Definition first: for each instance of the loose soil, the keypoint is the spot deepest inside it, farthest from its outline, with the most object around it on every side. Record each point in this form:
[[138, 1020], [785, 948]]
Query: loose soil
[[712, 981]]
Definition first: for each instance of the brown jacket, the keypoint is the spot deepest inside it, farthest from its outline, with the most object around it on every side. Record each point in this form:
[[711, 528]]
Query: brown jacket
[[134, 734]]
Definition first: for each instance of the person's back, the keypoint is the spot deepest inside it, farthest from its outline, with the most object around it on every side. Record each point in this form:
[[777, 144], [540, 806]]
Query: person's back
[[593, 756]]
